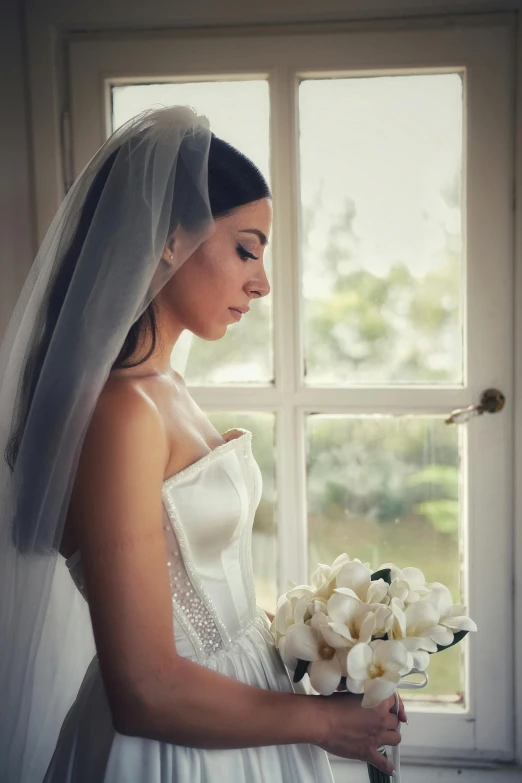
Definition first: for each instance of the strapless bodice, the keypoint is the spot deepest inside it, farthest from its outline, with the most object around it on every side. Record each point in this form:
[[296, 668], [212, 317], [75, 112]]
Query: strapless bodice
[[209, 510]]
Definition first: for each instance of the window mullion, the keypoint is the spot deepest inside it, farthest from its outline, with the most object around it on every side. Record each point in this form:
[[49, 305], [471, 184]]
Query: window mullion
[[291, 512], [236, 398]]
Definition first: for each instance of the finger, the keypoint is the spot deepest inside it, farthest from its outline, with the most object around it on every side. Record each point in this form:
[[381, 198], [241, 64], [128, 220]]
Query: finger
[[391, 722], [379, 761], [390, 738], [402, 711]]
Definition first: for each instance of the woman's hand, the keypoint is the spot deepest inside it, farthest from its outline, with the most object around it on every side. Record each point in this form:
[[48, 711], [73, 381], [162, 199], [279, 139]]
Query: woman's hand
[[402, 710], [354, 732], [401, 713]]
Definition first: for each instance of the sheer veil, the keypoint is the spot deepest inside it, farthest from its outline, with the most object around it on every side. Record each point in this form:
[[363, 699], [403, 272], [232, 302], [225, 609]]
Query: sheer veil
[[96, 272]]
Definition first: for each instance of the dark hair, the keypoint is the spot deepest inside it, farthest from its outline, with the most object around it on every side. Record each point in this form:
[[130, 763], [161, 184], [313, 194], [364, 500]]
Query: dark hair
[[233, 181]]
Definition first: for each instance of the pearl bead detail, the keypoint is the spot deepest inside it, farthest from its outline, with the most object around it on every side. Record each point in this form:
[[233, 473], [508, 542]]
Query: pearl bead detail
[[192, 605]]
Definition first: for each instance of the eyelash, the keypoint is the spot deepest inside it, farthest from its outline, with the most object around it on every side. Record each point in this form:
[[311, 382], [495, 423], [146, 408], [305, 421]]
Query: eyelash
[[244, 255]]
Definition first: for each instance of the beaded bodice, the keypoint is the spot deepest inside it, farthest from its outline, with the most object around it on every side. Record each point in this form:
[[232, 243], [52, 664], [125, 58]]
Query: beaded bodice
[[208, 512]]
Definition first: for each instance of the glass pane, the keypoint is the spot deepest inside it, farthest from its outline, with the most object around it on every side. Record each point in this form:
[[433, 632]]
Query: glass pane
[[244, 354], [381, 167], [264, 546], [386, 489]]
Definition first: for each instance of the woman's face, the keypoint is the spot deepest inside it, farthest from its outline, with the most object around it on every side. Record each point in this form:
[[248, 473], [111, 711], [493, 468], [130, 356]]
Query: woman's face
[[224, 273]]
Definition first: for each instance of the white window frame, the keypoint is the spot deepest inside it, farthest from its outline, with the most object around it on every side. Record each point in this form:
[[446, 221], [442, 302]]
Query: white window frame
[[485, 48]]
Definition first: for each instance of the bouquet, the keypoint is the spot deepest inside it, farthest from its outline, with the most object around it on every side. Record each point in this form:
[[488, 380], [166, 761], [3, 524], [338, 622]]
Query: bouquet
[[365, 630]]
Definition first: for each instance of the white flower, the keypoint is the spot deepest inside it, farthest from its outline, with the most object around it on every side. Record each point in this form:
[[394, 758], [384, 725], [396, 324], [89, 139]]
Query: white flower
[[375, 669], [324, 577], [407, 584], [400, 590], [291, 608], [399, 630], [315, 641], [323, 582], [316, 605], [354, 620], [321, 575], [418, 623], [452, 616], [354, 579], [424, 616]]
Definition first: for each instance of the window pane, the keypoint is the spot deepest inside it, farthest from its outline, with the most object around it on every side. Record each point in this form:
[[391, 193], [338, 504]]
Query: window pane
[[386, 489], [264, 552], [380, 169], [244, 354]]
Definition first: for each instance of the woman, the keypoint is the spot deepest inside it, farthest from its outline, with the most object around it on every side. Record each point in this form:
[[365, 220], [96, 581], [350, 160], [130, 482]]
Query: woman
[[114, 467]]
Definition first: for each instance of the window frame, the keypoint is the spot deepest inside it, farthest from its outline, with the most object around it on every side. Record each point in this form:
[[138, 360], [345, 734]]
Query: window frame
[[92, 59]]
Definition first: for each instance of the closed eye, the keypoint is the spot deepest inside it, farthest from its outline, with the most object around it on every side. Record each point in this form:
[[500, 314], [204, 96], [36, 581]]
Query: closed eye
[[244, 254]]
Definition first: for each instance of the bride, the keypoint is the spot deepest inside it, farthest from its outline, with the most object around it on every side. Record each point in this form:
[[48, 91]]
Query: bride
[[133, 649]]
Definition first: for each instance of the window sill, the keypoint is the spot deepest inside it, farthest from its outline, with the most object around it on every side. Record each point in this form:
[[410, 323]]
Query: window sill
[[433, 771]]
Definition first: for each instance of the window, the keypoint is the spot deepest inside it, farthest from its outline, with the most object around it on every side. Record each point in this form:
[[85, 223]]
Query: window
[[389, 156]]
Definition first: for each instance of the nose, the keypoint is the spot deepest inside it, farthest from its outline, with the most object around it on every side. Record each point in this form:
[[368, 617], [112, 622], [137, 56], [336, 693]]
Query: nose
[[259, 285]]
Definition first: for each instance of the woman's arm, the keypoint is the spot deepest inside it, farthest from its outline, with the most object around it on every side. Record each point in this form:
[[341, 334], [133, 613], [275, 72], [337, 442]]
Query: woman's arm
[[117, 511], [194, 706]]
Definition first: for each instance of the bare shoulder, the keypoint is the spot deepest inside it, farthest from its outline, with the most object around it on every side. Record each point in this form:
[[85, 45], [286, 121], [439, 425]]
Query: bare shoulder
[[125, 407], [125, 442]]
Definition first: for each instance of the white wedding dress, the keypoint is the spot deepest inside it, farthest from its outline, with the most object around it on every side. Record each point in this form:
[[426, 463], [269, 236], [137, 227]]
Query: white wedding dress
[[208, 515]]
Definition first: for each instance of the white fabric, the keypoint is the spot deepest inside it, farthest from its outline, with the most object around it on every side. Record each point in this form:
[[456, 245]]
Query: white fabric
[[208, 514]]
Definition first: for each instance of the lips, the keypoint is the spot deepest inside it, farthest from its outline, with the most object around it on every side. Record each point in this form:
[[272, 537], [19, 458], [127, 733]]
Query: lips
[[237, 314], [242, 310]]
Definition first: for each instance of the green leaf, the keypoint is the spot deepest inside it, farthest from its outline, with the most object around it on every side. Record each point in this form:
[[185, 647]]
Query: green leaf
[[300, 670], [457, 637], [384, 573]]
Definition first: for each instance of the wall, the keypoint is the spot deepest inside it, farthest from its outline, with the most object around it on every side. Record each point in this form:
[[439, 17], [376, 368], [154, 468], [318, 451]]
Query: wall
[[16, 214]]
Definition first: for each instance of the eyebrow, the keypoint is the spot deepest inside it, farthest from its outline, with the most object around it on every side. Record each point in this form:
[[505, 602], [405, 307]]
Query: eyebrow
[[259, 234]]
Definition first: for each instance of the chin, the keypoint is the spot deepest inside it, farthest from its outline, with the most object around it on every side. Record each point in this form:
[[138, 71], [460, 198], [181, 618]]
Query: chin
[[220, 334], [210, 334]]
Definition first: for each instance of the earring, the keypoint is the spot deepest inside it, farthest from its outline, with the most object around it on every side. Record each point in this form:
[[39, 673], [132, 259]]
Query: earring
[[171, 257]]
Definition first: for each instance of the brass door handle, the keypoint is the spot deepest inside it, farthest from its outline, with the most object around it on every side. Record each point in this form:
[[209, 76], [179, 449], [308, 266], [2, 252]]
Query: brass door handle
[[491, 401]]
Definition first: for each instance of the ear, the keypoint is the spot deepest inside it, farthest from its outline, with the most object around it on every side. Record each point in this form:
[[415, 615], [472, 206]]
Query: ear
[[168, 251]]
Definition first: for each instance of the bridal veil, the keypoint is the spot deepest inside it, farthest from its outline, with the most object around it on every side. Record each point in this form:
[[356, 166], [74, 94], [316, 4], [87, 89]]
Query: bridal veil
[[98, 269]]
